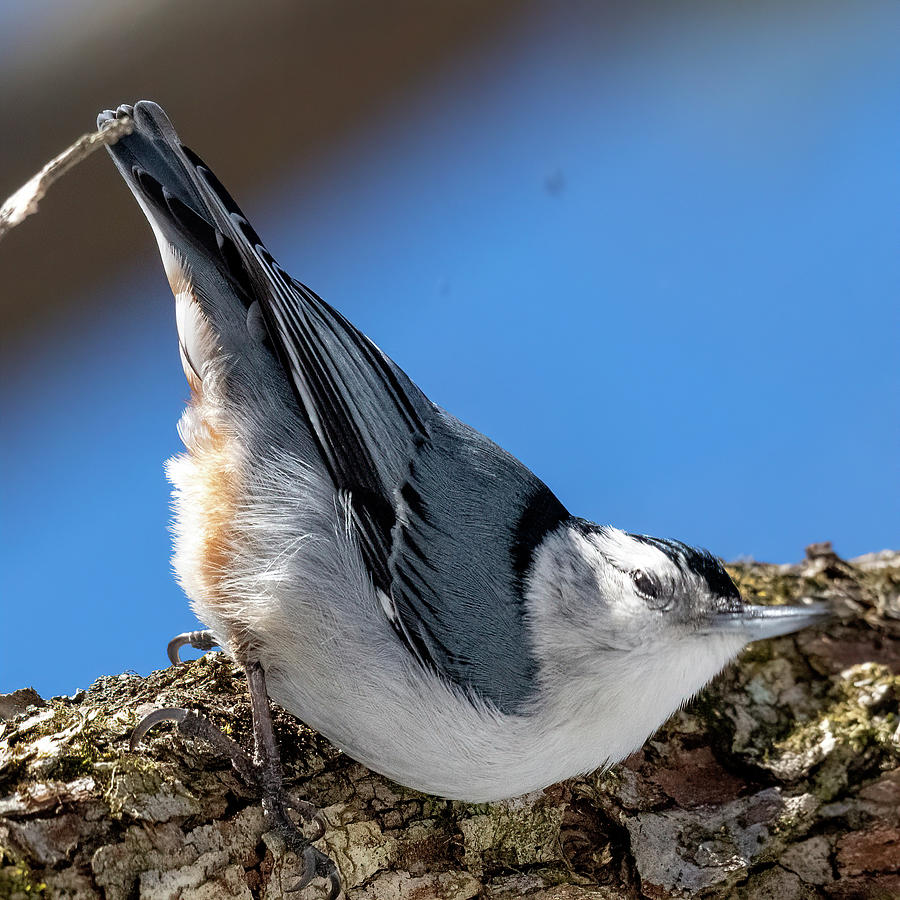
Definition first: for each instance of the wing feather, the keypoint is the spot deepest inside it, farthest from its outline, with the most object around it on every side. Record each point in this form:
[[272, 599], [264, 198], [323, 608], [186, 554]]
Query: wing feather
[[446, 521]]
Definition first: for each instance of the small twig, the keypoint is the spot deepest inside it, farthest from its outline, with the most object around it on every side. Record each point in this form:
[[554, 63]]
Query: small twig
[[25, 201]]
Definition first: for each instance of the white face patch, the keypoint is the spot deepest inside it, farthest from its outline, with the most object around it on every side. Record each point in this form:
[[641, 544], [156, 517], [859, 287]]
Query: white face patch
[[628, 554]]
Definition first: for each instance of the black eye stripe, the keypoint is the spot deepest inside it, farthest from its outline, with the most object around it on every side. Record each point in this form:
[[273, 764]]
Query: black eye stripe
[[699, 563]]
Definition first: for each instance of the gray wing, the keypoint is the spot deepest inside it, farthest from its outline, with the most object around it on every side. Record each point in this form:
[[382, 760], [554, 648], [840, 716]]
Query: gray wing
[[446, 520], [469, 516]]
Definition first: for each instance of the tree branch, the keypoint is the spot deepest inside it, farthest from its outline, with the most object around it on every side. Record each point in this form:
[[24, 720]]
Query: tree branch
[[782, 780], [24, 202]]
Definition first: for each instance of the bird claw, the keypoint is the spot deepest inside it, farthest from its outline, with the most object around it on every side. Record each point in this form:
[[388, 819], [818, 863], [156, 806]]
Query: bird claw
[[168, 714], [193, 724], [318, 864], [199, 640], [315, 862], [264, 774], [309, 813]]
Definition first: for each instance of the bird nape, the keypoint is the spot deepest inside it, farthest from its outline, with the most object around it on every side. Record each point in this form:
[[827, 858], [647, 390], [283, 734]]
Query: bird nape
[[382, 570]]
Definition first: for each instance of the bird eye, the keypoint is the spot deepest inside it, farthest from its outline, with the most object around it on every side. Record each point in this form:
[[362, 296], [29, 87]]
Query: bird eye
[[659, 595], [646, 584]]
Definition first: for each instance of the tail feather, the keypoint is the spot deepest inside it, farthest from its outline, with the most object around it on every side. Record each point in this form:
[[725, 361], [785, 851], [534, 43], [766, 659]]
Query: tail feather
[[179, 194]]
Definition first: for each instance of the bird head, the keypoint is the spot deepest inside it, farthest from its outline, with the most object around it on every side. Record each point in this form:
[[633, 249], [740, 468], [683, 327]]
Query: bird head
[[597, 593]]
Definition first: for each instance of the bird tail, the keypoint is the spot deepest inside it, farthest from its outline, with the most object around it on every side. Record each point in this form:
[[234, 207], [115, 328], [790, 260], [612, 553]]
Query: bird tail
[[185, 203]]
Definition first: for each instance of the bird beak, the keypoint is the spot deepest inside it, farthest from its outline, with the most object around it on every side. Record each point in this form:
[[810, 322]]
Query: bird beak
[[759, 622]]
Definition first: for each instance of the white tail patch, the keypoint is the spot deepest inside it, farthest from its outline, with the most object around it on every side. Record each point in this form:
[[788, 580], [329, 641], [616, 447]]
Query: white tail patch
[[177, 270], [197, 342]]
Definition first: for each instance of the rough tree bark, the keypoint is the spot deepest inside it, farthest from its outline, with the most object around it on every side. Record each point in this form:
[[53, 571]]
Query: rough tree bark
[[781, 780]]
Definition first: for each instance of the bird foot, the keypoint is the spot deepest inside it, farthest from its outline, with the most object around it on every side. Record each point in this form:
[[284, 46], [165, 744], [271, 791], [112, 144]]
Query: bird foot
[[195, 725], [262, 771], [316, 864]]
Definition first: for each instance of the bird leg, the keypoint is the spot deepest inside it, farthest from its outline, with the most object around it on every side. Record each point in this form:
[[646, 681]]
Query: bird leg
[[275, 800], [263, 770]]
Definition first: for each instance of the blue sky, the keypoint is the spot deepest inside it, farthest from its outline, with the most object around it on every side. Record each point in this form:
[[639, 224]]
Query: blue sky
[[657, 264]]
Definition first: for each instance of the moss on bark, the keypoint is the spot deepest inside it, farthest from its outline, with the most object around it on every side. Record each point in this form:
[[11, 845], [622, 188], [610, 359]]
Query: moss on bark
[[781, 780]]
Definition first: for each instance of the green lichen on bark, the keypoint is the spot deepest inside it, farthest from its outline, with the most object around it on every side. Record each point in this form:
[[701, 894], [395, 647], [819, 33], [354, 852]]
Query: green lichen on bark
[[18, 881], [781, 780]]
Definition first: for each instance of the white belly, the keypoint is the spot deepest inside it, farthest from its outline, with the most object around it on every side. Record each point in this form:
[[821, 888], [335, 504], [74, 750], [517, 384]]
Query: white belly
[[271, 568]]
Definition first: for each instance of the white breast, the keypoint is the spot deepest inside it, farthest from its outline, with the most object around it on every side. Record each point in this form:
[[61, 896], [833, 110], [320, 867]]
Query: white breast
[[272, 562]]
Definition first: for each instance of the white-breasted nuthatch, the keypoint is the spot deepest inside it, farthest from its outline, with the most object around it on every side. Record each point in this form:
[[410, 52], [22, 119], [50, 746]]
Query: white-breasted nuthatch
[[394, 578]]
